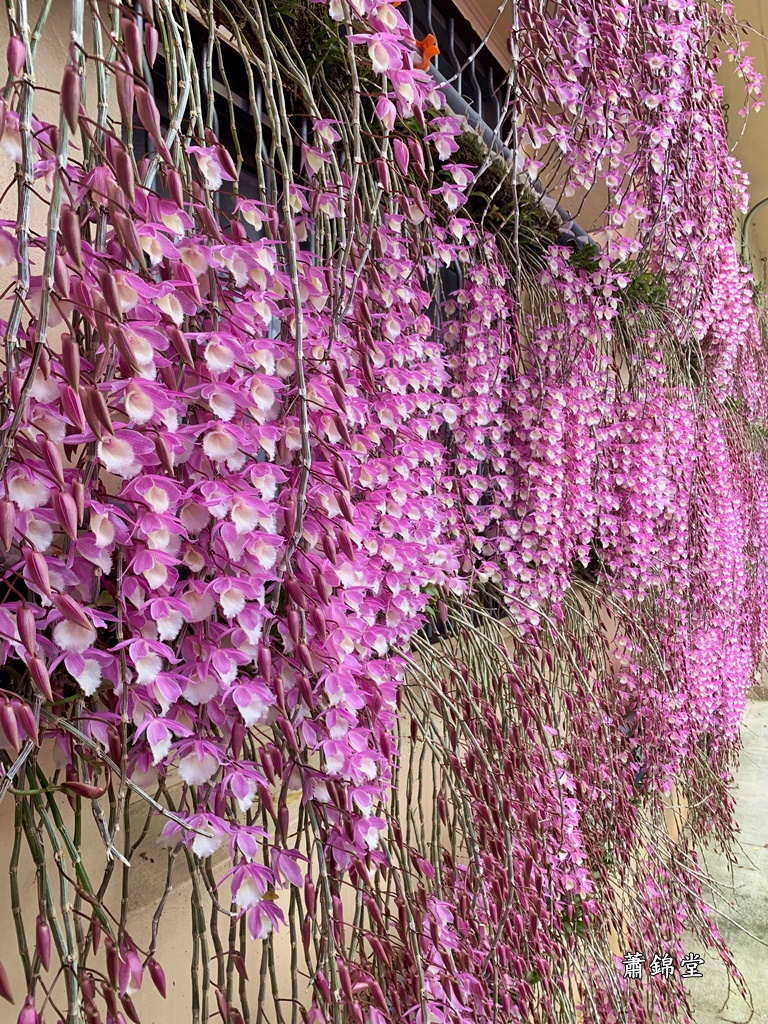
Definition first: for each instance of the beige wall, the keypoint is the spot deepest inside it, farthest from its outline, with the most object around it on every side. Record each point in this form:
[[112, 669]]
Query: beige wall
[[482, 14], [749, 141]]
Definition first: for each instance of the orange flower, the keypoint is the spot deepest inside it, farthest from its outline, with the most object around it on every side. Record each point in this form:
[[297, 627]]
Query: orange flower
[[428, 49]]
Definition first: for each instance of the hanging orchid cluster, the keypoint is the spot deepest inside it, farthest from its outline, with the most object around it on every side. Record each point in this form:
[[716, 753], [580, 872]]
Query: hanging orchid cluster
[[401, 604]]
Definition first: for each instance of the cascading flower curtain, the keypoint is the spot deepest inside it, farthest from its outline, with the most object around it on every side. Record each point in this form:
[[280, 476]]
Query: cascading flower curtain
[[401, 608]]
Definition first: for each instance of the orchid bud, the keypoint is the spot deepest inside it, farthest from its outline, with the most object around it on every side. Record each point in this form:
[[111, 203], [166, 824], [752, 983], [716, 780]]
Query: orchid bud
[[149, 115], [209, 224], [151, 43], [277, 683], [417, 153], [61, 277], [40, 676], [345, 544], [266, 799], [266, 764], [343, 970], [341, 473], [100, 313], [25, 719], [121, 344], [346, 507], [123, 166], [221, 1002], [9, 726], [264, 660], [277, 760], [70, 774], [27, 627], [69, 228], [226, 161], [130, 1010], [7, 523], [378, 996], [148, 9], [52, 458], [290, 518], [180, 343], [45, 363], [418, 199], [5, 987], [16, 56], [72, 611], [78, 493], [319, 622], [237, 232], [239, 963], [305, 689], [370, 380], [70, 359], [273, 220], [164, 454], [338, 394], [71, 88], [37, 570], [293, 619], [128, 237], [96, 411], [323, 988], [28, 1013], [329, 547], [167, 374], [382, 169], [110, 999], [236, 739], [283, 822], [378, 949], [113, 962], [96, 931], [111, 294], [323, 587], [400, 151], [305, 657], [342, 429], [125, 93], [114, 744], [84, 789], [157, 975], [72, 408], [43, 942], [289, 732], [132, 43], [296, 593], [309, 895], [65, 508], [175, 187]]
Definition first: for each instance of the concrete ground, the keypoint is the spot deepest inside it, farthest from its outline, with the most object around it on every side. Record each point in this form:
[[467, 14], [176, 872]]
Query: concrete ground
[[743, 890]]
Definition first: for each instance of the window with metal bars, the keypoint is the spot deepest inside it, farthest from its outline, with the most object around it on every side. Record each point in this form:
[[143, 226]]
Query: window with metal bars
[[463, 59], [233, 117]]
